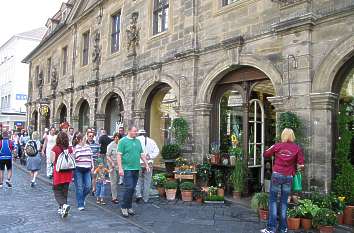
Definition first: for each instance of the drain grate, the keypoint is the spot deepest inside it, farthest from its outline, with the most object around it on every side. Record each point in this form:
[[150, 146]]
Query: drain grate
[[11, 220]]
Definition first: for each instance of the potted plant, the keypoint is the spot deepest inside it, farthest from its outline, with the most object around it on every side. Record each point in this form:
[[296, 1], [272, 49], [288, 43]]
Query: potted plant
[[198, 194], [339, 206], [237, 178], [293, 218], [214, 199], [259, 202], [171, 189], [219, 181], [170, 153], [307, 210], [325, 219], [159, 181], [215, 153], [187, 190], [203, 173]]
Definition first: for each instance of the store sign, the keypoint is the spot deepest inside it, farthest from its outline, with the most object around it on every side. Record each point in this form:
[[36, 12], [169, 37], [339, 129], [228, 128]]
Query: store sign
[[21, 97], [19, 123], [235, 100]]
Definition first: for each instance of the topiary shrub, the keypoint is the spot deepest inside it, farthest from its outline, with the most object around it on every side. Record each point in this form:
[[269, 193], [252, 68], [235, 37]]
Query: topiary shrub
[[180, 130], [170, 151]]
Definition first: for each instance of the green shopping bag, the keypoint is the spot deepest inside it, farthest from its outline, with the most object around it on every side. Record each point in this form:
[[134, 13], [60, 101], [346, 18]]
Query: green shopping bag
[[297, 182]]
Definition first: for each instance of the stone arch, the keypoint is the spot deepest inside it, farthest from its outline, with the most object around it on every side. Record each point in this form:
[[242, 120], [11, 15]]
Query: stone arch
[[224, 67], [60, 107], [145, 90], [106, 95], [326, 74], [77, 103]]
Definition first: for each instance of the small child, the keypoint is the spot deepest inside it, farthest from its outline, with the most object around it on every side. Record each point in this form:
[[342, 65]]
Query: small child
[[100, 173]]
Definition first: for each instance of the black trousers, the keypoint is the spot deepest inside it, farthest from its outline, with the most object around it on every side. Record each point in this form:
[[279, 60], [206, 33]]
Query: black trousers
[[61, 193]]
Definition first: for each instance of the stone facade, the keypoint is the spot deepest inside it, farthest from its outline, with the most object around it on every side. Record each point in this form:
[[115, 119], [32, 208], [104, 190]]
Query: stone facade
[[303, 41]]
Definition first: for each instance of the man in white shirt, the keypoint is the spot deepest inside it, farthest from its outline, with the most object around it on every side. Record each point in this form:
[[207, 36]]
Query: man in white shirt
[[151, 150]]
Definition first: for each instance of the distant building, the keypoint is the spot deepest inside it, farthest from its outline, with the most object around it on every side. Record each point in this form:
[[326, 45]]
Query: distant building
[[14, 78]]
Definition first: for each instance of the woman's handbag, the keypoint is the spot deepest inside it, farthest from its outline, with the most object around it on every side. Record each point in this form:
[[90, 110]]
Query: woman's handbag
[[65, 162], [297, 182]]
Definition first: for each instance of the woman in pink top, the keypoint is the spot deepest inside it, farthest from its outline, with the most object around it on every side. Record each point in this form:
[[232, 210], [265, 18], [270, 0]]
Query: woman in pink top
[[288, 157]]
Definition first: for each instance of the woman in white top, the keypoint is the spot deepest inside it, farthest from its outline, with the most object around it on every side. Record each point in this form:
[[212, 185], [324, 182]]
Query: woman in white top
[[49, 143]]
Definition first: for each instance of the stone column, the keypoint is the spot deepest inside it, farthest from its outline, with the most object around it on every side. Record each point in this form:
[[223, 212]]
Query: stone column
[[56, 123], [139, 118], [322, 141], [278, 104], [75, 122], [202, 131], [100, 119]]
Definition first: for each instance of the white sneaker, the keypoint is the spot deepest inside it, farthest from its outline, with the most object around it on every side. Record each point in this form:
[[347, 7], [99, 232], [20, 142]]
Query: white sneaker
[[131, 212], [81, 208], [59, 210], [125, 213], [65, 211], [1, 185], [266, 231]]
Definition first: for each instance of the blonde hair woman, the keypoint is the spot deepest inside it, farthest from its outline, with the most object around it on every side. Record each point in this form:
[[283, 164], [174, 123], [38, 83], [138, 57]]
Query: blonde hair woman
[[287, 157], [33, 157]]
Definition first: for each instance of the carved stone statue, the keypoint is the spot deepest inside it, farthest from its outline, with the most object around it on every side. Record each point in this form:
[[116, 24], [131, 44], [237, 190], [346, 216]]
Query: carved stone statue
[[54, 78], [133, 34], [96, 53]]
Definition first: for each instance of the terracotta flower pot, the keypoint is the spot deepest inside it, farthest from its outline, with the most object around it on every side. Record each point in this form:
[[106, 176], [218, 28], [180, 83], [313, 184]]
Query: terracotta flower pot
[[171, 194], [326, 229], [293, 223], [199, 200], [221, 192], [236, 195], [348, 215], [161, 191], [306, 223], [187, 195], [263, 214], [340, 218]]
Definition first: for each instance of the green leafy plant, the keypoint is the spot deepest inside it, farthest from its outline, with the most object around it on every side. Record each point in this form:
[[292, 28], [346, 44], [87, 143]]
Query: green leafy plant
[[293, 212], [219, 178], [307, 208], [260, 201], [187, 185], [214, 198], [290, 120], [203, 171], [180, 129], [212, 190], [236, 151], [159, 180], [171, 184], [170, 151], [238, 176], [198, 192], [324, 217]]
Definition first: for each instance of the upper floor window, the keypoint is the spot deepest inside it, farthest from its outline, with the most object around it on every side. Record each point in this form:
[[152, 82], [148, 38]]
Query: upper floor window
[[228, 2], [36, 75], [49, 69], [115, 36], [65, 60], [85, 48], [160, 16]]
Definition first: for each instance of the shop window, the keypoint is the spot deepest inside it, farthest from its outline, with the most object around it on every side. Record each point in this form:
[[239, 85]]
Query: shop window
[[115, 36], [160, 16]]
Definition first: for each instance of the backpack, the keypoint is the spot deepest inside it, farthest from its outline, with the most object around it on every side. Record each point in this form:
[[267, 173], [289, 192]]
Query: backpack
[[31, 148], [65, 161]]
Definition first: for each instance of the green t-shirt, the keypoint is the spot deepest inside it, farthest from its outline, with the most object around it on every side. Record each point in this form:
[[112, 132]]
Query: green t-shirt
[[131, 150]]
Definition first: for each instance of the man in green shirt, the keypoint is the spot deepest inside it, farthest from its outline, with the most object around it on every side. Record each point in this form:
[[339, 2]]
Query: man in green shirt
[[129, 154]]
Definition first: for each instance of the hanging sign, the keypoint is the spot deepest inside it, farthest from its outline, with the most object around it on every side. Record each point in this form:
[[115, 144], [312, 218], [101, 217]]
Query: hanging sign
[[44, 110], [235, 100]]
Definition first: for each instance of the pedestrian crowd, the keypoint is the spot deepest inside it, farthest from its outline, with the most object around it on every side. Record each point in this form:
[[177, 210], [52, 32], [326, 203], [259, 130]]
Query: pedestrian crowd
[[89, 159]]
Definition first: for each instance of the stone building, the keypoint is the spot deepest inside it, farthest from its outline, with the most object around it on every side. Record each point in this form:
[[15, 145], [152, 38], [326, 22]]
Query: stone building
[[228, 66]]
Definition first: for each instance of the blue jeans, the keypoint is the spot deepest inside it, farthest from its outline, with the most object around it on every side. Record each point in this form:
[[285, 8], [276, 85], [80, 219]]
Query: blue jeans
[[130, 181], [100, 189], [82, 180], [282, 184]]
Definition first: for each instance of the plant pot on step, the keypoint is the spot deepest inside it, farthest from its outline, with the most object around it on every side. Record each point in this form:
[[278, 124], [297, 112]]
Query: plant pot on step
[[221, 192], [236, 195], [348, 215], [187, 195], [306, 223], [326, 229], [263, 214], [293, 223], [171, 194], [340, 219], [161, 191]]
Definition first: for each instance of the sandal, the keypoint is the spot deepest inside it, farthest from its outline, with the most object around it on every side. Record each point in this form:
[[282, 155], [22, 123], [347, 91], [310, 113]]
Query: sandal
[[98, 202], [115, 201], [103, 203]]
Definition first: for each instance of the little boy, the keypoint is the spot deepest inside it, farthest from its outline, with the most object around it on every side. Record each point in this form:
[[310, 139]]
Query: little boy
[[100, 173]]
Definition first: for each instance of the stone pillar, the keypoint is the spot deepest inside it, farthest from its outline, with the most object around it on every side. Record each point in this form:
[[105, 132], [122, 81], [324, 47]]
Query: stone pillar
[[100, 119], [202, 131], [322, 143], [75, 122], [278, 104], [139, 118], [56, 123]]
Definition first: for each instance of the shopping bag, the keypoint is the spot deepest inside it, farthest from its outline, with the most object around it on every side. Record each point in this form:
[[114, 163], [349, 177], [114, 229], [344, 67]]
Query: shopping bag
[[297, 182]]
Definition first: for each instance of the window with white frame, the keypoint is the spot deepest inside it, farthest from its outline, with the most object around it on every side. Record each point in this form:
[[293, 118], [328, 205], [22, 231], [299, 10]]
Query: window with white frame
[[228, 2], [160, 16], [115, 35]]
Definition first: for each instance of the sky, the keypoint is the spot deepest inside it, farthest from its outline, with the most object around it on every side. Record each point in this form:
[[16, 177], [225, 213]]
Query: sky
[[17, 16]]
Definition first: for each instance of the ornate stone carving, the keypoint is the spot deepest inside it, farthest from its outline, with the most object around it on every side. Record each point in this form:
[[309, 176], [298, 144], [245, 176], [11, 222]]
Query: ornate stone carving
[[54, 78], [133, 34], [96, 53]]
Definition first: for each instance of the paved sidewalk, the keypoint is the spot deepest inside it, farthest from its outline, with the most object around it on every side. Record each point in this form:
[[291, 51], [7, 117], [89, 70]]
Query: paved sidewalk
[[25, 209]]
